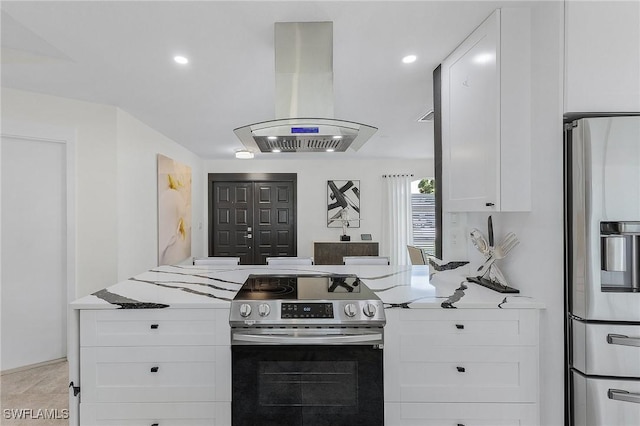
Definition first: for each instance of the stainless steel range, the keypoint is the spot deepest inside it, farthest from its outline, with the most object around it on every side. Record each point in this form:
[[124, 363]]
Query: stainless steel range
[[307, 350]]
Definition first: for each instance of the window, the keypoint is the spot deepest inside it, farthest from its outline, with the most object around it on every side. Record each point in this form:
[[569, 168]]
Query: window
[[423, 207]]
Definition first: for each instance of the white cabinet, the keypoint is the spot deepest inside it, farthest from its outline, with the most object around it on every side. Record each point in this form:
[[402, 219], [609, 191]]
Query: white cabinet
[[155, 366], [486, 117], [602, 56], [461, 366]]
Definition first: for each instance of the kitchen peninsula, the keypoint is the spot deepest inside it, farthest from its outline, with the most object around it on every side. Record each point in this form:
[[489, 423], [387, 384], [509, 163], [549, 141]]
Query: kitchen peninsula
[[156, 348]]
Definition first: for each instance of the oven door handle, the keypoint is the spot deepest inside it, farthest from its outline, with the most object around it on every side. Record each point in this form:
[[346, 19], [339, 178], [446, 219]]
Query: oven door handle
[[308, 339]]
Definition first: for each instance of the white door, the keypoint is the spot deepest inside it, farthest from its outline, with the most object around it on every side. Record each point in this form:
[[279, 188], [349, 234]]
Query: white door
[[34, 251]]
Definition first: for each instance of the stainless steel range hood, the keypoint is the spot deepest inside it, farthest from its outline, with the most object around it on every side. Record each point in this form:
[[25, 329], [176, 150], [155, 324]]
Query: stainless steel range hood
[[304, 97]]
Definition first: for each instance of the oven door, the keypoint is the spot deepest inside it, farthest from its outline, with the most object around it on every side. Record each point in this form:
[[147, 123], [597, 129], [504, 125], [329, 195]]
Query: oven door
[[307, 385]]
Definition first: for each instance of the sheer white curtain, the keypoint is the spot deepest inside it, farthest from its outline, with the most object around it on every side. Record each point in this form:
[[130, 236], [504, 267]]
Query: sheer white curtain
[[397, 225]]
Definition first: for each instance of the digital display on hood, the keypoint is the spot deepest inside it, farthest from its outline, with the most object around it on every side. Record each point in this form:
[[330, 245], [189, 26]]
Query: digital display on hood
[[305, 130]]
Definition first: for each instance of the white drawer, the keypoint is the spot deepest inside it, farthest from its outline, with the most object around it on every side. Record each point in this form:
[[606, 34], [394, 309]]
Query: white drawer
[[427, 373], [155, 374], [606, 349], [427, 414], [598, 401], [166, 414], [154, 327], [464, 327]]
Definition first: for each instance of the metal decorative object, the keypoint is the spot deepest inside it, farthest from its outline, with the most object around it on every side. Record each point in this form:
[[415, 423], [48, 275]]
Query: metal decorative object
[[489, 275]]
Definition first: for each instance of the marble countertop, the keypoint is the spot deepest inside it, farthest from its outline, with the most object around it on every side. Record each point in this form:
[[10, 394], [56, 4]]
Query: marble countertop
[[188, 286]]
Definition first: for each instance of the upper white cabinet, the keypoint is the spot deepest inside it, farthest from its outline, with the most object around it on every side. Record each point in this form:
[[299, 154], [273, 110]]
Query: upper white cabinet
[[486, 104], [602, 56]]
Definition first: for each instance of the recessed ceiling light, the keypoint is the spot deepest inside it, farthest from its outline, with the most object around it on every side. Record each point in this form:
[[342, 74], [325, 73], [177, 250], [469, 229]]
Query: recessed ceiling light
[[330, 150], [181, 60], [337, 137], [409, 59], [244, 154], [276, 150], [272, 138]]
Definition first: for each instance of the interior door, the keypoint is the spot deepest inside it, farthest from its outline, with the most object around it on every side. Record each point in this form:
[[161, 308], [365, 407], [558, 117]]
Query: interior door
[[34, 248], [274, 221], [252, 219], [232, 221]]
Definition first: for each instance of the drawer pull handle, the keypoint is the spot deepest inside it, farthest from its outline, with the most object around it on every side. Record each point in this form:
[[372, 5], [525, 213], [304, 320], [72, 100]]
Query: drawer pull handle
[[623, 395], [154, 326], [156, 424], [461, 369], [489, 204], [154, 369], [460, 327], [621, 339], [460, 424]]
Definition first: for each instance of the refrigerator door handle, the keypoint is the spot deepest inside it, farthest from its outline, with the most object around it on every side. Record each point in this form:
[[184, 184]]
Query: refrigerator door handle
[[623, 395], [621, 339]]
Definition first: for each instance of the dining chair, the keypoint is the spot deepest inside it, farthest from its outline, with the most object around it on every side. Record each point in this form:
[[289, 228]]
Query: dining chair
[[216, 260], [289, 260], [416, 255], [365, 260]]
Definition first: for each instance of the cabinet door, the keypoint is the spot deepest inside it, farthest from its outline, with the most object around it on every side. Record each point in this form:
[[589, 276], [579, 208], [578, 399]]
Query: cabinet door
[[155, 374], [456, 414], [461, 355], [161, 414], [362, 249], [602, 56], [471, 121], [329, 253], [154, 327]]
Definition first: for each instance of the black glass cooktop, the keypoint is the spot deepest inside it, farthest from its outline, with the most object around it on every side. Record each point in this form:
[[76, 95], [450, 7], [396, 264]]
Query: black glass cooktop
[[303, 287]]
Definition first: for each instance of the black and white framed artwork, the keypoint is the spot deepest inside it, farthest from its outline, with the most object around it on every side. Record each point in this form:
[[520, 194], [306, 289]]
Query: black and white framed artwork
[[343, 203]]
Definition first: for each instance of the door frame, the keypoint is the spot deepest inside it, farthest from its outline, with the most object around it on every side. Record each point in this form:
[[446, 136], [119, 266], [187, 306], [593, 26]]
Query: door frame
[[33, 131], [46, 133], [250, 177]]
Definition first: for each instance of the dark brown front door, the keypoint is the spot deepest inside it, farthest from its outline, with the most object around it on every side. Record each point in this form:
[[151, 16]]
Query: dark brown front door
[[252, 219]]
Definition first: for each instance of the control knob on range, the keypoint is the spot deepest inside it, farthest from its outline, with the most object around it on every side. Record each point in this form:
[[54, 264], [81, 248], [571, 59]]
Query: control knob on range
[[245, 310], [350, 309], [369, 310], [263, 310]]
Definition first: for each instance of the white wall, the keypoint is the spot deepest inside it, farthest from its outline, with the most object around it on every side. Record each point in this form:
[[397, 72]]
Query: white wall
[[96, 171], [602, 56], [313, 175], [116, 215], [536, 266], [138, 146]]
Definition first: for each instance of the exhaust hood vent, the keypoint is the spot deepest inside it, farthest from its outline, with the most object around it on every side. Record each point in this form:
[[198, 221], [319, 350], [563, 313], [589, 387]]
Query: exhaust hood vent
[[304, 88]]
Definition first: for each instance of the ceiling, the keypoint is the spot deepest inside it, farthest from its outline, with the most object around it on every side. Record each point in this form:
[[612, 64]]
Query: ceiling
[[121, 53]]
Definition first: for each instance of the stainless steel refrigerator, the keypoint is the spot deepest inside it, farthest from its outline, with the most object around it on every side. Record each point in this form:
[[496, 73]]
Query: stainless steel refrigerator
[[602, 270]]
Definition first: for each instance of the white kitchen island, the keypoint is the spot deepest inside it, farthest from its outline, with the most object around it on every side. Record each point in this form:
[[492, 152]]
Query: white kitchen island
[[155, 349]]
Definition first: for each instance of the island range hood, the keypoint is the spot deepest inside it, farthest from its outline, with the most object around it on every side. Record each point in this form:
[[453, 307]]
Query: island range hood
[[304, 97]]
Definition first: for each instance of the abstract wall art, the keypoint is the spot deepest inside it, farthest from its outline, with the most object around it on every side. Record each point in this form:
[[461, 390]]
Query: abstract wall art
[[174, 211], [343, 203]]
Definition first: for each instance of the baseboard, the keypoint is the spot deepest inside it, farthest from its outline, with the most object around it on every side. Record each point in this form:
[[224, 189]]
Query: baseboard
[[29, 367]]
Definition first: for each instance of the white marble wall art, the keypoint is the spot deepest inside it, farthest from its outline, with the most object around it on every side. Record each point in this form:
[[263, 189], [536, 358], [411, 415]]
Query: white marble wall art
[[174, 211]]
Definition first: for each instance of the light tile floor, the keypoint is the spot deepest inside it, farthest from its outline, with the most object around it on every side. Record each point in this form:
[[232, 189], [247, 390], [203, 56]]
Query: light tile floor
[[38, 388]]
